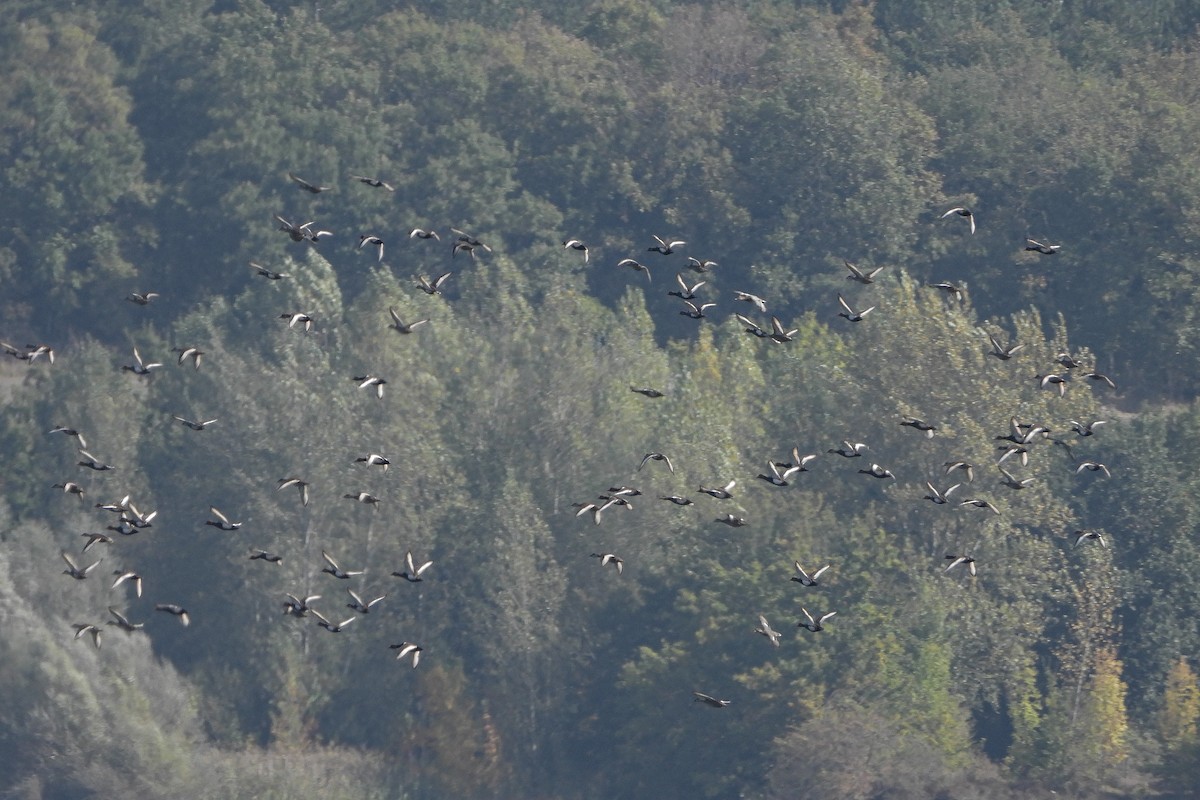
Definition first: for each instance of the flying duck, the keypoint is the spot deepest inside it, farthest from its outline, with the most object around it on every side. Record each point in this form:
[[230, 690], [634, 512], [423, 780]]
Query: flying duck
[[298, 607], [685, 292], [1011, 482], [373, 460], [176, 611], [296, 317], [36, 351], [694, 311], [814, 625], [1052, 380], [126, 575], [665, 247], [962, 212], [268, 274], [301, 485], [196, 426], [656, 457], [849, 313], [850, 449], [804, 579], [368, 239], [798, 461], [139, 367], [977, 503], [308, 187], [1093, 466], [195, 354], [1044, 249], [1003, 353], [436, 286], [470, 241], [69, 432], [575, 244], [920, 425], [949, 288], [877, 471], [955, 560], [764, 628], [362, 497], [122, 622], [1096, 377], [358, 604], [1067, 361], [85, 627], [723, 493], [221, 522], [406, 649], [778, 478], [637, 266], [964, 466], [263, 555], [301, 233], [335, 570], [412, 573], [752, 299], [1086, 430], [94, 538], [364, 381], [778, 334], [70, 487], [329, 626], [141, 298], [709, 700], [610, 558], [860, 276], [74, 570], [939, 497], [752, 327], [398, 324], [90, 462], [374, 183]]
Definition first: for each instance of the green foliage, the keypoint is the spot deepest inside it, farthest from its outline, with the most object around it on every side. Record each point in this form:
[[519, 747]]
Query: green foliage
[[148, 148]]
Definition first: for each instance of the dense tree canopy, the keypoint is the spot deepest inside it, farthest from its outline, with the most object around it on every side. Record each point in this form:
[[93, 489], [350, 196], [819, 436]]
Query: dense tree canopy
[[1008, 606]]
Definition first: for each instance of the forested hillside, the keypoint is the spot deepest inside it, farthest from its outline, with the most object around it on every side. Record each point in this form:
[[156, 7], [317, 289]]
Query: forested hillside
[[614, 399]]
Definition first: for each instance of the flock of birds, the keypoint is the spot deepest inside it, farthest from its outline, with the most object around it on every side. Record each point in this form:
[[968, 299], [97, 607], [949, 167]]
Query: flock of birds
[[1017, 442]]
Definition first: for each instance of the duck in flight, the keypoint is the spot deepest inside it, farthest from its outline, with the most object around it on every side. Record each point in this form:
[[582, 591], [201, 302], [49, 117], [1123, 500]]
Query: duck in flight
[[374, 183], [665, 247], [1039, 247], [709, 700], [308, 187], [859, 276], [579, 246], [815, 625], [196, 426], [764, 629], [610, 558], [408, 649], [335, 570], [412, 572], [398, 325], [805, 579], [849, 313], [962, 212], [139, 367]]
